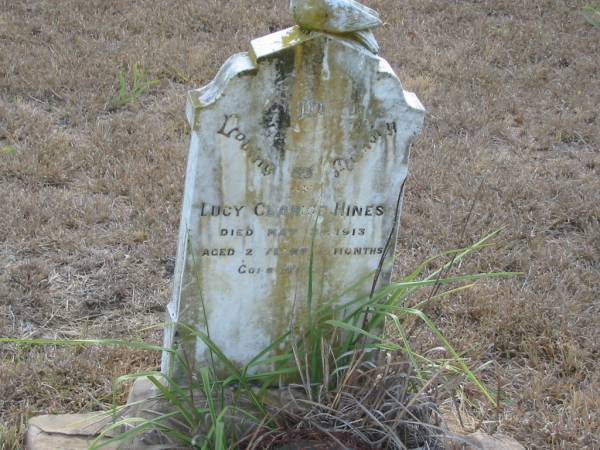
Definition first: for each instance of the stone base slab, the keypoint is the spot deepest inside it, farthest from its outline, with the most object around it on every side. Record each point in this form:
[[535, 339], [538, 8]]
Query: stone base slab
[[66, 432], [78, 431]]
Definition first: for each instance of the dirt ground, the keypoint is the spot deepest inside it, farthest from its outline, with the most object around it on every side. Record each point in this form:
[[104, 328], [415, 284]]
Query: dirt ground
[[91, 193]]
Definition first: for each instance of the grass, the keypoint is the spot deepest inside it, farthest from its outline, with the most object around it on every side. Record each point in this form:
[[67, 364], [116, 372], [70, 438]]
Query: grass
[[342, 393], [592, 15], [9, 438], [130, 91], [91, 199]]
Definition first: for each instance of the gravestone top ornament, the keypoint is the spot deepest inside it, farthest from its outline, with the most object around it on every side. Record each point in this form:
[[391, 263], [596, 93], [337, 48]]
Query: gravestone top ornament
[[338, 16], [298, 157]]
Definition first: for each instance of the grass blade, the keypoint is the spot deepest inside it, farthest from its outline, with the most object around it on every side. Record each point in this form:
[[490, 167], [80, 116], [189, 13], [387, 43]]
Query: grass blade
[[85, 342]]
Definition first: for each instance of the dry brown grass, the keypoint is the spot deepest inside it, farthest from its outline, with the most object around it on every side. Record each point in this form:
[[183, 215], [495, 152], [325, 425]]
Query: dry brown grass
[[90, 199]]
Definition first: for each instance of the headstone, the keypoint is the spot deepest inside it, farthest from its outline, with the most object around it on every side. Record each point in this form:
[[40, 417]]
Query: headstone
[[305, 136]]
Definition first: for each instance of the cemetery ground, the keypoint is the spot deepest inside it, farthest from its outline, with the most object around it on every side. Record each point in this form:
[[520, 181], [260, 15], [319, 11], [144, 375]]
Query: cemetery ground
[[91, 181]]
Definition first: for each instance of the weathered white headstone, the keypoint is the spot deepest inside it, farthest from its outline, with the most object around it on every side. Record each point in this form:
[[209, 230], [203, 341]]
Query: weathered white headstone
[[306, 134]]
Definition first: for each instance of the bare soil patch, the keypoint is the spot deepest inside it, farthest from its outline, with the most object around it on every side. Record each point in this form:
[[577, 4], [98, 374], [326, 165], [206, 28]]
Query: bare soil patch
[[91, 194]]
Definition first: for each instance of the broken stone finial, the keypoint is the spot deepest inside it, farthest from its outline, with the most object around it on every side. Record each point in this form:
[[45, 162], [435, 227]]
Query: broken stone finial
[[334, 16], [338, 16]]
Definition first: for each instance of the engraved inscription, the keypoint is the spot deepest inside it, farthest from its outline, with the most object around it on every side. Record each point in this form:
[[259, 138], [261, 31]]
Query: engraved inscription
[[230, 131], [341, 209], [344, 235], [358, 251], [310, 108], [240, 232], [348, 163], [281, 232], [207, 210], [352, 232], [217, 252], [287, 251], [250, 258]]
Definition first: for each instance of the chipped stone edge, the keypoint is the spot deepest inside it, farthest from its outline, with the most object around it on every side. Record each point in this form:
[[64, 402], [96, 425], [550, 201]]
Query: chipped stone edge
[[411, 99], [274, 43]]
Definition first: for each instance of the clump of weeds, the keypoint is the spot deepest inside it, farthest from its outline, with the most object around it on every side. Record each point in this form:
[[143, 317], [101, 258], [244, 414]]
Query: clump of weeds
[[132, 89]]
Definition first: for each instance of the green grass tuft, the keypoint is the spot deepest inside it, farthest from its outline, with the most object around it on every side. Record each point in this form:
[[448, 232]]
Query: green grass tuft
[[8, 150], [592, 15], [9, 438], [131, 90]]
